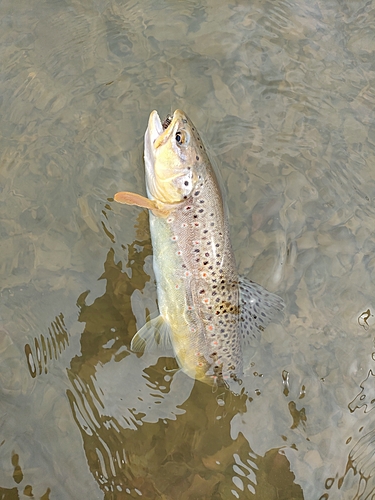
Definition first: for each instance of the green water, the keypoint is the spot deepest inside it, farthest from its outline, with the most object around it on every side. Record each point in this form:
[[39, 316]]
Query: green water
[[283, 94]]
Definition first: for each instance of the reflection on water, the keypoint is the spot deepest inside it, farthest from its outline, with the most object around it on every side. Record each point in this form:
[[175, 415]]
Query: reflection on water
[[282, 92], [147, 428], [13, 493], [366, 397], [361, 464], [47, 348]]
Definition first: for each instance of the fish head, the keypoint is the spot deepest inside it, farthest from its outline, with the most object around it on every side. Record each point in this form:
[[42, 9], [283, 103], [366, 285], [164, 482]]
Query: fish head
[[172, 157]]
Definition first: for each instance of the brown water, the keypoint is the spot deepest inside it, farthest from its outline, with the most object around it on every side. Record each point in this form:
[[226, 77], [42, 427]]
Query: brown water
[[283, 93]]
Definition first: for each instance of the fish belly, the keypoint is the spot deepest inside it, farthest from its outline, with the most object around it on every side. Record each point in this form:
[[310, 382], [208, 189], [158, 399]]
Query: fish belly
[[170, 286]]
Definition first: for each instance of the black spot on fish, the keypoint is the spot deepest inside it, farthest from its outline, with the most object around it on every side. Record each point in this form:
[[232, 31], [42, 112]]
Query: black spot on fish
[[197, 158]]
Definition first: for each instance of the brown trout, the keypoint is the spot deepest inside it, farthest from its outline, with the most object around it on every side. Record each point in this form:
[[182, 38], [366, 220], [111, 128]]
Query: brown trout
[[207, 312]]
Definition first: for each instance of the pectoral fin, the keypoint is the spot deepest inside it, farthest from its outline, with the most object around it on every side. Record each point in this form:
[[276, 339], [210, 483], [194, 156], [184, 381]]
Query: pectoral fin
[[127, 198], [155, 334], [258, 307]]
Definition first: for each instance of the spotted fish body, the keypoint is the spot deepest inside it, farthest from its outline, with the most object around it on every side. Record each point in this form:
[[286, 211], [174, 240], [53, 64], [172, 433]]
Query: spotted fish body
[[207, 312]]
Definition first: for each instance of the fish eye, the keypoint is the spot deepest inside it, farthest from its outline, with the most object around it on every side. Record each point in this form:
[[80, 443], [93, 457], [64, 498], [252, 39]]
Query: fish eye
[[181, 137]]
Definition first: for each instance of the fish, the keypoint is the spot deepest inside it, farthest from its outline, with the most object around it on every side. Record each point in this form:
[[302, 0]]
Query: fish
[[208, 313]]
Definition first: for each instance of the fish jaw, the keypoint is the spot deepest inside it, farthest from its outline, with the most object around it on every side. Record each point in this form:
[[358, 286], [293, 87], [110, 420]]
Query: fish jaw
[[156, 135], [170, 155], [153, 131]]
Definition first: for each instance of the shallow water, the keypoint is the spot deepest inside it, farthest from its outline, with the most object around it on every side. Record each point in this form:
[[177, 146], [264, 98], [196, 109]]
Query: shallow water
[[283, 95]]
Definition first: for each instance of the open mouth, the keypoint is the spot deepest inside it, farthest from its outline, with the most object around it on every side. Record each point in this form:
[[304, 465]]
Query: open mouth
[[158, 131]]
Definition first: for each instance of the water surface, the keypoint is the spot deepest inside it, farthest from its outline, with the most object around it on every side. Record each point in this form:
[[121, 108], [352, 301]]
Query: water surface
[[283, 94]]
